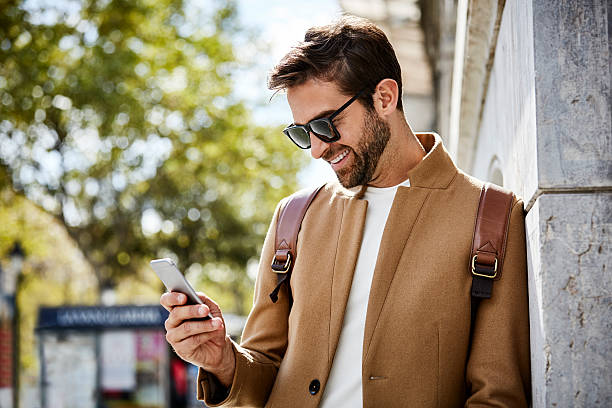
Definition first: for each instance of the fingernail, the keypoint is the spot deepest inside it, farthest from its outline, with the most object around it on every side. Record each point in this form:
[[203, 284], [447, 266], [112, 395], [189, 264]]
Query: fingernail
[[216, 323], [181, 298], [202, 310]]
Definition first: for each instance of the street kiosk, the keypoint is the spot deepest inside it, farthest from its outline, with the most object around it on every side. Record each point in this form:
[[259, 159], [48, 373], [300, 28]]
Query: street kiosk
[[113, 357]]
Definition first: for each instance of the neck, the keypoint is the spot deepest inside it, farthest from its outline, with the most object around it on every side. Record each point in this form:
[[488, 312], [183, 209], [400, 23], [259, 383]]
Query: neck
[[403, 152]]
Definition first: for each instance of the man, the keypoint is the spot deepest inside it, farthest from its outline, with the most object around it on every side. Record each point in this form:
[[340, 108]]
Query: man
[[381, 289]]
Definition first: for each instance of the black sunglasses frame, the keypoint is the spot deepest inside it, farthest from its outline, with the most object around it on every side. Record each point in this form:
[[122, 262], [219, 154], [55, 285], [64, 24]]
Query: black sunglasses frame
[[328, 121]]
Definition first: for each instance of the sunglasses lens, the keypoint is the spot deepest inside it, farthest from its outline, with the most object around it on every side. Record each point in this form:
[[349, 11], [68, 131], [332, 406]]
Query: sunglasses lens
[[299, 136], [323, 129]]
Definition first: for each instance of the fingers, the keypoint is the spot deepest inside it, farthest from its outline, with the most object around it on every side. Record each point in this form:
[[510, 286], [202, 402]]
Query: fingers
[[214, 308], [194, 328], [181, 313], [171, 299], [188, 346]]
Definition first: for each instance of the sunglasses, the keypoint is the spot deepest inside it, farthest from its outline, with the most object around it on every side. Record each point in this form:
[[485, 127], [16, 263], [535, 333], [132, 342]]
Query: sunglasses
[[323, 128]]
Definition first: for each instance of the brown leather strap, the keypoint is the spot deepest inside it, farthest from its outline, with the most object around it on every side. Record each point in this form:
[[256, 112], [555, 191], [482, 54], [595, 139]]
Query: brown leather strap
[[287, 229], [490, 232], [488, 244]]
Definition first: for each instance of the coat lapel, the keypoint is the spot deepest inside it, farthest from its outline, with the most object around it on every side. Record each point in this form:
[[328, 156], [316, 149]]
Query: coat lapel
[[435, 171], [349, 243], [402, 217]]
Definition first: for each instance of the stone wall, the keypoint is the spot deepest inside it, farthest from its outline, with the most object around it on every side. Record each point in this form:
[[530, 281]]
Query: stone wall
[[546, 123], [569, 250], [508, 127]]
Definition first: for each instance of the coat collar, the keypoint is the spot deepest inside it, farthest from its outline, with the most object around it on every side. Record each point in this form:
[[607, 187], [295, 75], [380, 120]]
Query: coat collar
[[437, 169]]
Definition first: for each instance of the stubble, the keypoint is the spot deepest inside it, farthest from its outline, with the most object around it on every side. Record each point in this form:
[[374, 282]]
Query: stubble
[[376, 135]]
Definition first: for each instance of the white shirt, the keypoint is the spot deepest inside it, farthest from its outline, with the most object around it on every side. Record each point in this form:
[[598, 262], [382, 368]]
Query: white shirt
[[344, 388]]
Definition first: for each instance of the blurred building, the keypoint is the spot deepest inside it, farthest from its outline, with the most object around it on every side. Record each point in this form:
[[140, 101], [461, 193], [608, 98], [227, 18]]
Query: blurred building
[[115, 357], [401, 22], [520, 93]]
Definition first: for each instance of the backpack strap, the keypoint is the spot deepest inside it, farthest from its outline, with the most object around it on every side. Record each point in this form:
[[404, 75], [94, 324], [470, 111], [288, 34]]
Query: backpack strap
[[287, 229], [489, 242]]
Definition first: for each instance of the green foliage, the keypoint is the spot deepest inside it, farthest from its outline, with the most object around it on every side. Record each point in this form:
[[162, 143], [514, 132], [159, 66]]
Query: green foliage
[[118, 118], [54, 272]]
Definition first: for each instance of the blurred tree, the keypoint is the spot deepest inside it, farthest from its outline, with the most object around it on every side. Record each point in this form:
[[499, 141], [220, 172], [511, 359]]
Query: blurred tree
[[118, 117], [54, 272]]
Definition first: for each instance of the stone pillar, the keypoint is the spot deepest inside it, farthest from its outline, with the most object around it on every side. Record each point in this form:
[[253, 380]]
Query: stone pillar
[[546, 121], [569, 258], [569, 216]]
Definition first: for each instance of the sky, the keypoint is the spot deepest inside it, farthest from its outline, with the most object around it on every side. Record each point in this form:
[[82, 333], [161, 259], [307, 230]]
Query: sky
[[278, 25]]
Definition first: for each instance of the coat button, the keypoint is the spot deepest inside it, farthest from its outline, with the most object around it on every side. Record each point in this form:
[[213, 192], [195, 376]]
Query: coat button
[[314, 386]]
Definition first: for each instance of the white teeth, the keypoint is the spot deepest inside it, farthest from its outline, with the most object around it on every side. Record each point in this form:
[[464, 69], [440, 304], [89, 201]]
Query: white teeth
[[339, 157]]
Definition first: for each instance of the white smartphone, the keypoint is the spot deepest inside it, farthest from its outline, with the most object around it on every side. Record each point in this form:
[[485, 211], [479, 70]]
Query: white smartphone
[[175, 281]]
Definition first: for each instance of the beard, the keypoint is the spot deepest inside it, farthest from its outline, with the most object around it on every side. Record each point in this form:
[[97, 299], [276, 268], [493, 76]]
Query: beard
[[376, 134]]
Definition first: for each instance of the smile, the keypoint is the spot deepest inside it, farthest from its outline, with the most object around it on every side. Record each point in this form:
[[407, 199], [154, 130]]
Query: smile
[[339, 157]]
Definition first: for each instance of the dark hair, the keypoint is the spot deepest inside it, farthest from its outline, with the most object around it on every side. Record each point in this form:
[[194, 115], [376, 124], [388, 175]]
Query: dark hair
[[352, 52]]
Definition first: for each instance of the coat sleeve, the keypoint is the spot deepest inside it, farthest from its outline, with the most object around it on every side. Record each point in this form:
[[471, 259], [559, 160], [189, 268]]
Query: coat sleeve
[[263, 345], [498, 368]]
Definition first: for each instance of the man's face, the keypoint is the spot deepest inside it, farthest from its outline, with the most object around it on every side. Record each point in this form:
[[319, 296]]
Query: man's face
[[363, 134]]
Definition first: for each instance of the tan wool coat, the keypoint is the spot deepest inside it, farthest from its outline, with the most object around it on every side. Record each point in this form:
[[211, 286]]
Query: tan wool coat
[[415, 350]]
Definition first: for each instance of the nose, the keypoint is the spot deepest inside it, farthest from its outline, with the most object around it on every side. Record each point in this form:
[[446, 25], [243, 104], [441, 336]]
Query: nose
[[317, 146]]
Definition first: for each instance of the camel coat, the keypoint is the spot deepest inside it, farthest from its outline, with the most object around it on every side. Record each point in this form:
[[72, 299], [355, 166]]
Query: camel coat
[[415, 350]]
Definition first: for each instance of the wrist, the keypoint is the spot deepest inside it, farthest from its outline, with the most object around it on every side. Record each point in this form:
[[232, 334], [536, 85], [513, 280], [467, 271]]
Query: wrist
[[225, 371]]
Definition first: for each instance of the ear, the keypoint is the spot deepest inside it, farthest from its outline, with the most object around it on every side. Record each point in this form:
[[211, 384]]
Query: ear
[[385, 97]]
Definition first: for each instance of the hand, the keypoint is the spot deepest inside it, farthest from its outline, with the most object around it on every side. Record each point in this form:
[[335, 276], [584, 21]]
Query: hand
[[203, 343]]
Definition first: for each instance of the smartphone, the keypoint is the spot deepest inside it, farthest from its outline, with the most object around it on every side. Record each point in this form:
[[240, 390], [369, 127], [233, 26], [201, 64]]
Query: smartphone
[[175, 281]]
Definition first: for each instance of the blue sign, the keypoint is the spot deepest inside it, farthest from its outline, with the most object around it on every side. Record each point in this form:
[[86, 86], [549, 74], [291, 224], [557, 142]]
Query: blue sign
[[100, 317]]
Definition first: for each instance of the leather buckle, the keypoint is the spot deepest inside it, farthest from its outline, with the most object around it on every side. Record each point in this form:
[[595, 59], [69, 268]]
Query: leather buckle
[[476, 269], [279, 267]]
